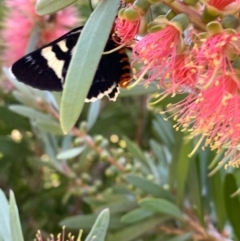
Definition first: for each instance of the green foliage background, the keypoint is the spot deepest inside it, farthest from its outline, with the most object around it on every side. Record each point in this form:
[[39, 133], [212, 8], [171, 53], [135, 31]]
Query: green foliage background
[[123, 156]]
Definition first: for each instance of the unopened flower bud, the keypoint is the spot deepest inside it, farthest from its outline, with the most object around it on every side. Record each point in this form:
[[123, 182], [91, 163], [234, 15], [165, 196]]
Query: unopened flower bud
[[83, 126], [78, 141], [104, 143], [128, 167], [121, 13], [170, 14], [181, 20], [119, 152], [230, 21], [153, 28], [157, 24], [104, 155], [131, 14], [214, 28], [210, 14], [98, 139], [109, 172], [142, 6]]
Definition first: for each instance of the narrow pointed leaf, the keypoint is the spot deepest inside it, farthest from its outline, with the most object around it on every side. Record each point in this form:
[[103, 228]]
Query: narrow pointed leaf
[[182, 169], [216, 184], [93, 113], [118, 206], [70, 153], [232, 204], [29, 112], [194, 186], [135, 151], [136, 230], [158, 205], [15, 225], [87, 221], [44, 7], [49, 126], [136, 215], [84, 63], [4, 218], [99, 229], [149, 187], [183, 237]]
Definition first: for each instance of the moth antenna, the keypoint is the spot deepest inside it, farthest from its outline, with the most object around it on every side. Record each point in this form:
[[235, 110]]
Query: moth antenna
[[114, 50]]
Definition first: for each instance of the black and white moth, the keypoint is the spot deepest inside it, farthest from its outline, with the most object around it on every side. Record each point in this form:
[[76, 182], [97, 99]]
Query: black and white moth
[[46, 68]]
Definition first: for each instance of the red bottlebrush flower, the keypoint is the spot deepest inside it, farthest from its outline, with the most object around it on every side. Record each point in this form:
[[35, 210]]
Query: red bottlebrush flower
[[213, 114], [214, 54], [127, 30], [60, 236], [220, 4], [158, 51], [20, 22], [181, 76]]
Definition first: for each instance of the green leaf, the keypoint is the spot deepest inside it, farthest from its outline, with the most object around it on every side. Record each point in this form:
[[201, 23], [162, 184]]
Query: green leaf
[[216, 184], [4, 218], [93, 113], [15, 225], [70, 153], [10, 120], [24, 99], [139, 90], [183, 237], [50, 126], [87, 221], [8, 147], [182, 169], [33, 39], [135, 150], [79, 221], [44, 7], [163, 130], [175, 151], [118, 206], [85, 60], [136, 230], [159, 151], [29, 112], [149, 187], [1, 237], [194, 186], [158, 205], [136, 215], [232, 204], [99, 229]]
